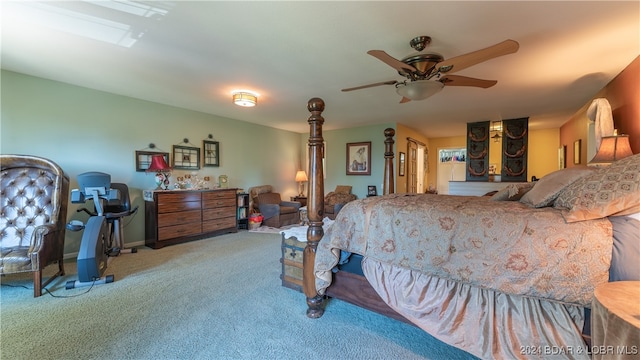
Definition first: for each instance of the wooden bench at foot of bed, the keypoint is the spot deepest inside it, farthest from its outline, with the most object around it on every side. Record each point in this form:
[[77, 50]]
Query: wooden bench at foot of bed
[[346, 286]]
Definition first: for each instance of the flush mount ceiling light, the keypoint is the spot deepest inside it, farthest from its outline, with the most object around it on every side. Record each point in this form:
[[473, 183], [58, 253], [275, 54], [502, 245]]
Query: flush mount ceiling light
[[245, 98]]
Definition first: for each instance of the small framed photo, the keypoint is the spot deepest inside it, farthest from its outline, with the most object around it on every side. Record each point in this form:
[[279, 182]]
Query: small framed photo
[[372, 190], [211, 153], [359, 158], [186, 157], [143, 159], [401, 165]]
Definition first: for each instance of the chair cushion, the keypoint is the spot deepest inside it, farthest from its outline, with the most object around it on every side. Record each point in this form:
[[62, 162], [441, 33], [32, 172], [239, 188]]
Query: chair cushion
[[15, 259]]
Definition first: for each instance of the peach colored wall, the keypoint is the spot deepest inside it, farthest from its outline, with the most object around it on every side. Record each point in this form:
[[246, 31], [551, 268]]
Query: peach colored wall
[[623, 94]]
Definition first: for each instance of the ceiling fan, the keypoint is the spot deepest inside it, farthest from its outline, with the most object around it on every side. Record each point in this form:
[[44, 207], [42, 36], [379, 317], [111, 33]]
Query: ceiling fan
[[427, 73]]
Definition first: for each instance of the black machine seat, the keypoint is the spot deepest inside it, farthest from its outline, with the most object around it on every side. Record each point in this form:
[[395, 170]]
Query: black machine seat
[[120, 207]]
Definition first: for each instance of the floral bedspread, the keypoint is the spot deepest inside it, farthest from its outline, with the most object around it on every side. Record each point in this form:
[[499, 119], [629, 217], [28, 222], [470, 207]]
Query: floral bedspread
[[505, 246]]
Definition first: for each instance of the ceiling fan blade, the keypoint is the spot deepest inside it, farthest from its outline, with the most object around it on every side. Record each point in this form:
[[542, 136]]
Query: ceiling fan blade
[[391, 61], [457, 80], [464, 61], [390, 82], [404, 100]]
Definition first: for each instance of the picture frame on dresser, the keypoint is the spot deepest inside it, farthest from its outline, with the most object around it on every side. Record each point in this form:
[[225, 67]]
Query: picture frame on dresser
[[186, 157], [143, 159]]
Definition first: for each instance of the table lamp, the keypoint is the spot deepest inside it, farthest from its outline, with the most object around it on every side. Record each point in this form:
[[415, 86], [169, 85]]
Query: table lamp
[[301, 177], [612, 148], [162, 170]]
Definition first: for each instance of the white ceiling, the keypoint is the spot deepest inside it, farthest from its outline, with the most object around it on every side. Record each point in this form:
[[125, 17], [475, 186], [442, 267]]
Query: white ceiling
[[193, 54]]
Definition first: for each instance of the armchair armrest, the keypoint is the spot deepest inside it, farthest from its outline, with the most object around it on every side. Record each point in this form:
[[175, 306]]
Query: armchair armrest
[[39, 237], [294, 204]]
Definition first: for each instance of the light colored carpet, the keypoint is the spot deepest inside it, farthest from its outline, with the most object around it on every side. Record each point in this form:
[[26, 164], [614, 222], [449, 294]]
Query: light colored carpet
[[218, 298]]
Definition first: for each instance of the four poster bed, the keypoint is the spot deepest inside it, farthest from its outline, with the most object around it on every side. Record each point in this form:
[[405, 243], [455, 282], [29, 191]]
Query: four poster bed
[[498, 279]]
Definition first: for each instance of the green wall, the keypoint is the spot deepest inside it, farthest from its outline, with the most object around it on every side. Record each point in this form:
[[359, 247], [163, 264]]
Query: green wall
[[88, 130]]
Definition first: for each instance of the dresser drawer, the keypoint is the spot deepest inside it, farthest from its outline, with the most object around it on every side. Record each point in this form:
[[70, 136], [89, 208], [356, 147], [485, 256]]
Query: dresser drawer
[[179, 196], [218, 224], [170, 207], [218, 198], [170, 232], [170, 219], [217, 213]]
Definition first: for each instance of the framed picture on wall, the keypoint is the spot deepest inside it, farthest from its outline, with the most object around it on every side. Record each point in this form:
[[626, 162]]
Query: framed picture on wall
[[143, 159], [186, 157], [359, 158], [401, 164], [211, 153]]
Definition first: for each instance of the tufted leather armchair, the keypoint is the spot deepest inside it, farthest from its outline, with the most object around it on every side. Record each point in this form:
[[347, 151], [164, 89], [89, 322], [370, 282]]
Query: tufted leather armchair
[[34, 195]]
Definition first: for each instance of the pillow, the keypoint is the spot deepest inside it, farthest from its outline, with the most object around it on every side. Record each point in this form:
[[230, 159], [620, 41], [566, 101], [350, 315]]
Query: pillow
[[607, 191], [626, 249], [344, 189], [512, 192], [546, 190]]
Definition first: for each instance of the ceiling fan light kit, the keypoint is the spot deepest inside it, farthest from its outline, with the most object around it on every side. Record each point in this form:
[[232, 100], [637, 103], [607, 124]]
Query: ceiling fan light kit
[[419, 90], [420, 68]]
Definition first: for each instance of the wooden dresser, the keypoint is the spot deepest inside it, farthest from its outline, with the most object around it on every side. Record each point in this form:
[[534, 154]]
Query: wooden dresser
[[172, 217]]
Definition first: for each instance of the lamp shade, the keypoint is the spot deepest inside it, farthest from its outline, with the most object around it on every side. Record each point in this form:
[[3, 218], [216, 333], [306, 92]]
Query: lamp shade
[[158, 164], [419, 89], [612, 148], [301, 176]]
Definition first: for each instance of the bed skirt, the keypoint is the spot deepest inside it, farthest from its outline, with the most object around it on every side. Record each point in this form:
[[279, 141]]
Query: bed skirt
[[485, 323]]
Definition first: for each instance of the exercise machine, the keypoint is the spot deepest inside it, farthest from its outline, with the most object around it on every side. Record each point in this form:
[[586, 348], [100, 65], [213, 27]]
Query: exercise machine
[[102, 235]]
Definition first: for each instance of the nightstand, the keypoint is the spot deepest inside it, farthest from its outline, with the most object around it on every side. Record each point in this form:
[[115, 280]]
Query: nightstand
[[301, 199], [615, 320]]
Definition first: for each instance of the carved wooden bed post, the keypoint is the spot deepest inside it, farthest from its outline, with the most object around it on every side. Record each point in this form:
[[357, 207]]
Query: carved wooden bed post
[[388, 185], [315, 207]]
